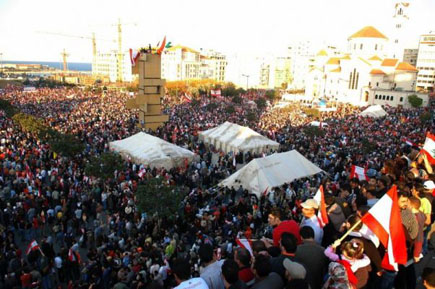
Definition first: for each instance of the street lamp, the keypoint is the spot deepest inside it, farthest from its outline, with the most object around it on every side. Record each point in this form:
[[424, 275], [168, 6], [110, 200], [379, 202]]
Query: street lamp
[[247, 80], [1, 64]]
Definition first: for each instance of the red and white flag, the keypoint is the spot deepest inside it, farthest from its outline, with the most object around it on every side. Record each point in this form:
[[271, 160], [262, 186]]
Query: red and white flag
[[245, 243], [73, 256], [386, 223], [185, 98], [358, 172], [215, 92], [134, 56], [429, 148], [410, 143], [33, 246], [265, 192], [322, 215]]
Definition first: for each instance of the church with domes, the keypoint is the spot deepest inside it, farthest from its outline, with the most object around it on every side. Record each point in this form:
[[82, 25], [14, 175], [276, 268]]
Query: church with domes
[[364, 75]]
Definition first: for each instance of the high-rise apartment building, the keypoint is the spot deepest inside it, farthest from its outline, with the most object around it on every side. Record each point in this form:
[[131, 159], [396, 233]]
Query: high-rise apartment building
[[426, 62]]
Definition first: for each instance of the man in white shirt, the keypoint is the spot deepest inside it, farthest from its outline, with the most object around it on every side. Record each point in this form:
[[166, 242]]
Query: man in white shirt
[[181, 270], [309, 208]]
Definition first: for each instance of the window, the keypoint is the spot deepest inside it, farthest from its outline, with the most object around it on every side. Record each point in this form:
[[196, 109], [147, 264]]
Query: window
[[370, 84], [401, 99], [354, 46], [391, 98], [376, 96], [388, 97], [361, 46], [383, 97], [376, 47]]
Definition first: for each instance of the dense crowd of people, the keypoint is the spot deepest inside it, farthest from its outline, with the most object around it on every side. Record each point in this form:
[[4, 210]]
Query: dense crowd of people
[[63, 228]]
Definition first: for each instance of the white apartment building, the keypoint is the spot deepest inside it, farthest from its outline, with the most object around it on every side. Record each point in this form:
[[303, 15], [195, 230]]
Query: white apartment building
[[182, 63], [426, 63], [213, 65], [301, 54], [106, 64]]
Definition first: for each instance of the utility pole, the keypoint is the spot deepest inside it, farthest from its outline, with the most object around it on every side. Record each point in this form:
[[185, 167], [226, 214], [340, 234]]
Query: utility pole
[[247, 81]]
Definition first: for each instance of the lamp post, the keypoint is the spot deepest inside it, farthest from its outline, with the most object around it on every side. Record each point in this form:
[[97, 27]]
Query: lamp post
[[1, 64], [247, 81]]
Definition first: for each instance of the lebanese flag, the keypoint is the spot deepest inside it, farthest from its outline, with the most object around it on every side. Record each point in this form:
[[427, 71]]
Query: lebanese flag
[[162, 47], [134, 56], [386, 223], [215, 93], [245, 243], [358, 172], [410, 143], [429, 148], [73, 256], [265, 191], [322, 215], [185, 98], [33, 246]]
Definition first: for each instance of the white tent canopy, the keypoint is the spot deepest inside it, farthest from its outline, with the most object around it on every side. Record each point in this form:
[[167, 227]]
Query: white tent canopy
[[233, 137], [374, 111], [271, 171], [149, 150]]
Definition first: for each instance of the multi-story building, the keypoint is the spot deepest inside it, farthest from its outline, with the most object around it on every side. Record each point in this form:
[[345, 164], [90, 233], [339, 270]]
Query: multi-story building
[[301, 54], [281, 72], [182, 63], [410, 56], [363, 76], [106, 64], [426, 62], [213, 65]]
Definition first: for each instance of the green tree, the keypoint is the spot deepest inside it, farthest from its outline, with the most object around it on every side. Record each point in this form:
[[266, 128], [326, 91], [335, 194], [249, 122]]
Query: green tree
[[237, 99], [368, 146], [251, 116], [155, 196], [229, 90], [65, 144], [271, 94], [105, 165], [212, 106], [313, 131], [261, 102], [230, 109], [8, 108], [414, 100], [312, 112], [29, 123], [425, 117]]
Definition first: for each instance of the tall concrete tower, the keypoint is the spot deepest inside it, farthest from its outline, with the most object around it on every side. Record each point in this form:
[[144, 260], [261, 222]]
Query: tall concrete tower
[[400, 19]]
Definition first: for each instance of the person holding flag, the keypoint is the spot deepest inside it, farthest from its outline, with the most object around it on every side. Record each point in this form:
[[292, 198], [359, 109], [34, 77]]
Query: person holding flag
[[309, 208]]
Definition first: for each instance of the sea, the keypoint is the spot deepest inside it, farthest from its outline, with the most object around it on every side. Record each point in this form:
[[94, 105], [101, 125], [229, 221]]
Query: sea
[[74, 66]]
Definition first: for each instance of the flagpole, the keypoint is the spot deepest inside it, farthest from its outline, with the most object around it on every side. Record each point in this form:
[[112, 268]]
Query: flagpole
[[348, 231]]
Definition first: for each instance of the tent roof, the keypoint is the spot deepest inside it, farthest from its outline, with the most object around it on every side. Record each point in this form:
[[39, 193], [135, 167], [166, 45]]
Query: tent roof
[[374, 111], [271, 171], [238, 137], [150, 150]]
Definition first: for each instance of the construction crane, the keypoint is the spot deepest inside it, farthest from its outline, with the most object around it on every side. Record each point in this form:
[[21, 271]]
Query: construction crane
[[94, 40], [64, 56], [119, 55]]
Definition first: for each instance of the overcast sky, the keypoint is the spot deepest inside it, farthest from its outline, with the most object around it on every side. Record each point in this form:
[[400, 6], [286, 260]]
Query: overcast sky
[[226, 25]]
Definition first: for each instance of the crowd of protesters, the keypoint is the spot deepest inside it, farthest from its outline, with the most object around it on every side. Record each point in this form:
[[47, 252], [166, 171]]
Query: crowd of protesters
[[62, 228]]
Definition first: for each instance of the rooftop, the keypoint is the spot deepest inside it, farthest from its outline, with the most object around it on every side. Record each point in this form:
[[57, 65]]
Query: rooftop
[[368, 32]]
